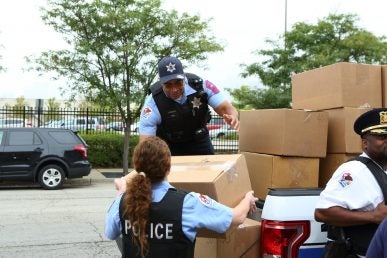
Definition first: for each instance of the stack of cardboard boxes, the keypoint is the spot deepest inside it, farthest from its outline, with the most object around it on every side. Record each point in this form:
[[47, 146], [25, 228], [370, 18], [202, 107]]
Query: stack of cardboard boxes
[[344, 91], [282, 147], [303, 146]]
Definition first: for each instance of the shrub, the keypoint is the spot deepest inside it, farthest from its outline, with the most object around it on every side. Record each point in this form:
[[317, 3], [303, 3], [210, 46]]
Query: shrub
[[106, 150]]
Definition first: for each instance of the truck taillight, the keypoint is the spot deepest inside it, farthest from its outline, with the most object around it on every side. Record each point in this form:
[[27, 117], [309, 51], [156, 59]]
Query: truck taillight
[[283, 239], [82, 150]]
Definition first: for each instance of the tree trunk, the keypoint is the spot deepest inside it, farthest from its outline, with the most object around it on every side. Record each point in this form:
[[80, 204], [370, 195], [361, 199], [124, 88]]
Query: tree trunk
[[125, 161]]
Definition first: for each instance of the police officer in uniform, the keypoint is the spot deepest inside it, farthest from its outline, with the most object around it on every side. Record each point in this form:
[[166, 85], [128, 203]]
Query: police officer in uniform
[[177, 110], [352, 199], [378, 245], [157, 220]]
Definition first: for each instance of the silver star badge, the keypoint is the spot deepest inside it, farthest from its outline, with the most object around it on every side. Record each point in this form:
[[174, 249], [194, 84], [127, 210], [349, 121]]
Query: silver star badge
[[170, 67], [196, 102]]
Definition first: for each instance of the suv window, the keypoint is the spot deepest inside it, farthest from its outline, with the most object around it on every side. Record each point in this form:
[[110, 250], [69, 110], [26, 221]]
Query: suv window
[[1, 137], [80, 121], [24, 138], [63, 137], [217, 121]]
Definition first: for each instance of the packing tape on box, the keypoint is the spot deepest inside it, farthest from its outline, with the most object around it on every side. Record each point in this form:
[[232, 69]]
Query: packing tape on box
[[194, 166], [230, 170]]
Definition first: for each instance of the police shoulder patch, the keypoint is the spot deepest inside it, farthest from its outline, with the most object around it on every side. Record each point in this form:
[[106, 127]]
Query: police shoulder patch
[[205, 200], [146, 112], [212, 87], [346, 179]]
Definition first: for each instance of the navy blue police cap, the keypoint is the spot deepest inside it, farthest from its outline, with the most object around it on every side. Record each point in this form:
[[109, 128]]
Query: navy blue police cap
[[170, 68], [373, 121]]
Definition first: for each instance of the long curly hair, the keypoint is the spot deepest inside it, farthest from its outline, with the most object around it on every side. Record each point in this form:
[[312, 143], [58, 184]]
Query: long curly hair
[[152, 161]]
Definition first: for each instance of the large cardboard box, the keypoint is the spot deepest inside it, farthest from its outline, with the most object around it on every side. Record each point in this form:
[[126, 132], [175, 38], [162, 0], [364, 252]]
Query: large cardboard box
[[285, 132], [341, 136], [329, 164], [222, 177], [242, 242], [268, 171], [384, 85], [337, 85]]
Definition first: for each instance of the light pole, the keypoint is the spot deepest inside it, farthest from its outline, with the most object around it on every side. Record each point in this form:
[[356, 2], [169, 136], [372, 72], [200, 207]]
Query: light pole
[[286, 14], [286, 21]]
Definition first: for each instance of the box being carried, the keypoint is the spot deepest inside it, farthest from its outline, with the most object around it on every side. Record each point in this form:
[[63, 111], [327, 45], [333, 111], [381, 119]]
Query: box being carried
[[241, 242], [224, 178]]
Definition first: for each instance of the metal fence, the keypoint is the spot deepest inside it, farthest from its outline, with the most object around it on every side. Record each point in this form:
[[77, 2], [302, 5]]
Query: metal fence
[[97, 121]]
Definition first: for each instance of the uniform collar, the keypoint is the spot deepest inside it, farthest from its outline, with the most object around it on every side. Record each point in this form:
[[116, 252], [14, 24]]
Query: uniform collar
[[162, 185], [365, 155]]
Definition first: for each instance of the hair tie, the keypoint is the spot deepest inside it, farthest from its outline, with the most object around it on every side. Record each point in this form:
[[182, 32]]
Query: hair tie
[[142, 174]]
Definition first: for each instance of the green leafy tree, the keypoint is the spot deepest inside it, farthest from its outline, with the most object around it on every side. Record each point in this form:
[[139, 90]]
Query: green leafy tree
[[333, 39], [247, 98], [114, 47]]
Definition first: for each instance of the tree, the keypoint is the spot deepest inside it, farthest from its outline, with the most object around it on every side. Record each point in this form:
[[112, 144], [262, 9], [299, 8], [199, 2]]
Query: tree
[[1, 57], [335, 38], [114, 47], [53, 113], [52, 104], [247, 98], [20, 108]]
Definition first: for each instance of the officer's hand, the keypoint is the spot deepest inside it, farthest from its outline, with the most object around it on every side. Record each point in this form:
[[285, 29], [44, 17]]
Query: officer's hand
[[252, 199], [380, 212], [232, 121], [120, 185]]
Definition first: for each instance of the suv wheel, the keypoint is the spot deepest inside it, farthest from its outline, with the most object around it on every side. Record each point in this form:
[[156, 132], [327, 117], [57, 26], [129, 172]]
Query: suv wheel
[[51, 177]]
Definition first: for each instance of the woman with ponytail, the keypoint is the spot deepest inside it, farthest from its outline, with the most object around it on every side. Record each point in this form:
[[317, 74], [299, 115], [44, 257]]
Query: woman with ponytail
[[157, 220]]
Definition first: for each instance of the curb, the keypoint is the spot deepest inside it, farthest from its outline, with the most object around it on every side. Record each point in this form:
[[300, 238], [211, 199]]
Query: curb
[[95, 176]]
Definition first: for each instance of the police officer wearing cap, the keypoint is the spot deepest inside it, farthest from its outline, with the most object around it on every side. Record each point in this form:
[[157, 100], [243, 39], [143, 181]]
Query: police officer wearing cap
[[178, 112], [352, 200]]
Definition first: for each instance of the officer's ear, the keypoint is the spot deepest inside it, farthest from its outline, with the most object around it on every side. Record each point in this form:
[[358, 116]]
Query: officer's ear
[[168, 169], [364, 142]]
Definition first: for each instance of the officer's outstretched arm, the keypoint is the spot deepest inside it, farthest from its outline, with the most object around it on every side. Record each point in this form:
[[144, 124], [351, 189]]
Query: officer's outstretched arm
[[239, 213], [229, 114]]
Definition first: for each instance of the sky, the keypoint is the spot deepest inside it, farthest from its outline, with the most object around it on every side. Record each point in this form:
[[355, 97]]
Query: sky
[[241, 26]]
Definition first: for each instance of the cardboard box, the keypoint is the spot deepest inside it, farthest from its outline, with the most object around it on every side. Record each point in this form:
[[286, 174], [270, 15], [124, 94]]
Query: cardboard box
[[338, 85], [206, 247], [222, 177], [329, 164], [384, 85], [268, 171], [285, 132], [242, 242], [341, 136]]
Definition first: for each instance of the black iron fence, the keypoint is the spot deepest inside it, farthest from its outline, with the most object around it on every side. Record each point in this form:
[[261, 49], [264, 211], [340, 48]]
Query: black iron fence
[[97, 121]]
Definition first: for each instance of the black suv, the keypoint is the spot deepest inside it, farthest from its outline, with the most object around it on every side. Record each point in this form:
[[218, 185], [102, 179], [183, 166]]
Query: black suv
[[43, 155]]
